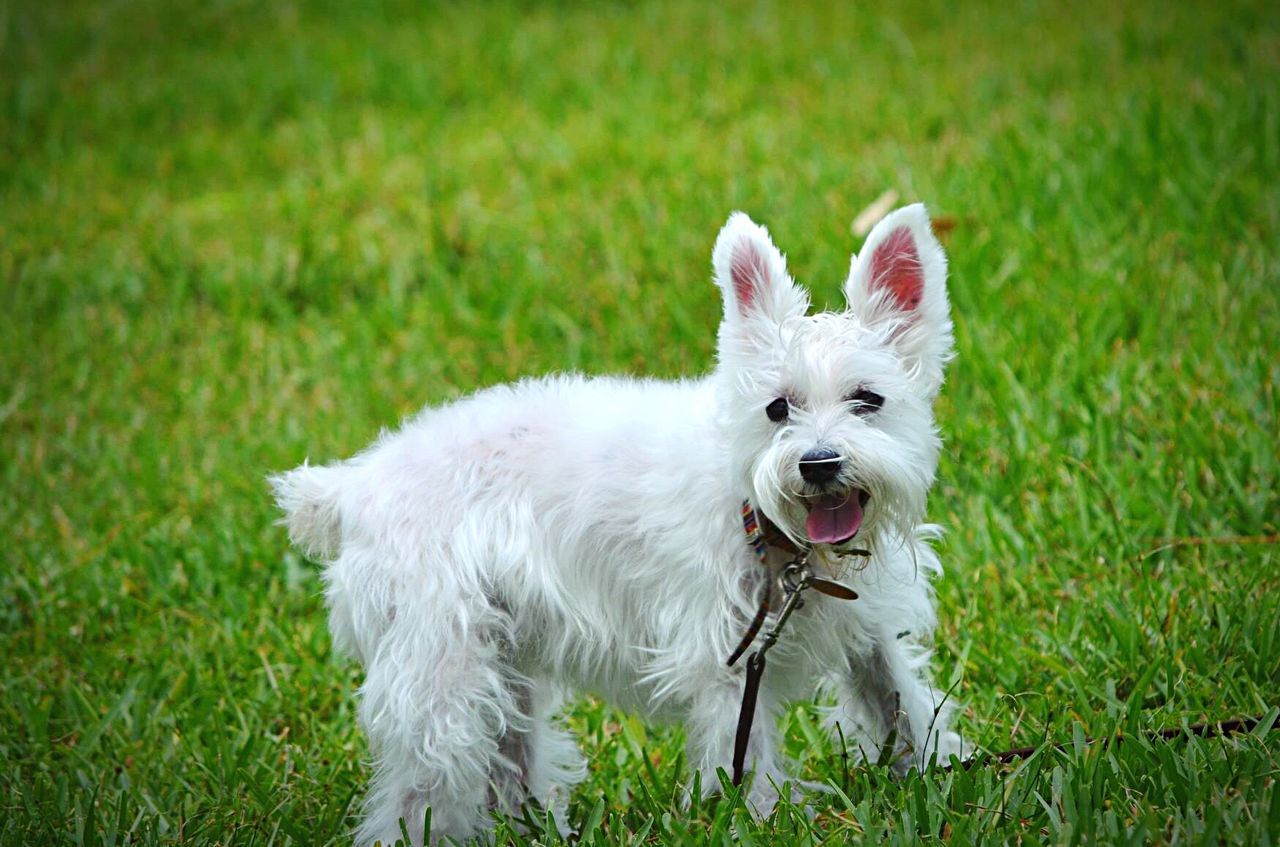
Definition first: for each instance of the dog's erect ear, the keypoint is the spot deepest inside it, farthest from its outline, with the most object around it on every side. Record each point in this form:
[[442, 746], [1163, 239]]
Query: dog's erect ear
[[752, 274], [900, 280]]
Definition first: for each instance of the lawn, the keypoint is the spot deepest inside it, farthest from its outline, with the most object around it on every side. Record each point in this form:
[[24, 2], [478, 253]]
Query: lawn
[[234, 235]]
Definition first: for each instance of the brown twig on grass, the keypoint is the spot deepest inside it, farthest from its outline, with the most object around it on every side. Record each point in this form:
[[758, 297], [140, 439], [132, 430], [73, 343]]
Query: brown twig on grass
[[1214, 729]]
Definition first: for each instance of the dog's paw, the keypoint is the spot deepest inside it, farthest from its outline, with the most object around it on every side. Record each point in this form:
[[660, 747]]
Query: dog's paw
[[768, 789], [937, 753], [953, 744]]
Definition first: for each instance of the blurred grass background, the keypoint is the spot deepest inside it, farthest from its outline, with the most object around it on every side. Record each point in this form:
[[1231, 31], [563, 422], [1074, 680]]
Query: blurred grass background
[[234, 234]]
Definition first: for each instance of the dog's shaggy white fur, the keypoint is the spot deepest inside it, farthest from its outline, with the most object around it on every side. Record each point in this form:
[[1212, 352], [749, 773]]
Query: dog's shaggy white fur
[[583, 534]]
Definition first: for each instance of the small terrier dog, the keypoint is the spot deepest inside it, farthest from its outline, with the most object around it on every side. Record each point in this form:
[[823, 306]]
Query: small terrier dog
[[586, 534]]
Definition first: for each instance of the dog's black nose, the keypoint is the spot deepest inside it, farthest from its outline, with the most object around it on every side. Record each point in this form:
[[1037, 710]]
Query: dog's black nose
[[820, 465]]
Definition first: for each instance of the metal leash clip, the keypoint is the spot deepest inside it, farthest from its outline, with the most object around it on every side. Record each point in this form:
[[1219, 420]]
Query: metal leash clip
[[792, 582]]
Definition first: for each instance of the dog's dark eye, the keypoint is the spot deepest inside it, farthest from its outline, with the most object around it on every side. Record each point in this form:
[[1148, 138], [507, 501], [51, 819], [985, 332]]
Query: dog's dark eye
[[865, 401], [778, 410]]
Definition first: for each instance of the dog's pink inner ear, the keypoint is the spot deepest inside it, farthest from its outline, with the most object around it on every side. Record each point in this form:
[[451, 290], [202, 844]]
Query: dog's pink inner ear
[[748, 269], [895, 266]]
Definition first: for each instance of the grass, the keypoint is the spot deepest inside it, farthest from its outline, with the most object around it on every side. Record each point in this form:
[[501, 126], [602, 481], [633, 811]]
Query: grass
[[234, 235]]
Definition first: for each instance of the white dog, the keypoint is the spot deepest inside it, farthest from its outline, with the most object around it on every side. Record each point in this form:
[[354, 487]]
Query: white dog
[[572, 533]]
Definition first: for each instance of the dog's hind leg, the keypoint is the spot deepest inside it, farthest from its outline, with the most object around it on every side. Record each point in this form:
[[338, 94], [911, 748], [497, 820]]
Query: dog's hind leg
[[436, 703], [545, 758]]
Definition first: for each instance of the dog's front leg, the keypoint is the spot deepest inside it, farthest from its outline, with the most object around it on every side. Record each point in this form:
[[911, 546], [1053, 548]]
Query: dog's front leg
[[887, 706], [711, 729]]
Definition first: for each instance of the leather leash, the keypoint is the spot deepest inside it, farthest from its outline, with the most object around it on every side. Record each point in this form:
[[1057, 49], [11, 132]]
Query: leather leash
[[1233, 726], [793, 581]]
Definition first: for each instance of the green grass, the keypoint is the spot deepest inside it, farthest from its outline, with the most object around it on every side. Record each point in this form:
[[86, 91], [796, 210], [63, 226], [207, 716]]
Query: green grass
[[233, 236]]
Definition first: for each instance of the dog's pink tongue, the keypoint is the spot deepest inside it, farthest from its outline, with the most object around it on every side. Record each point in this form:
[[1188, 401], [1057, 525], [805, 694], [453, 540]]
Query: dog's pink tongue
[[834, 519]]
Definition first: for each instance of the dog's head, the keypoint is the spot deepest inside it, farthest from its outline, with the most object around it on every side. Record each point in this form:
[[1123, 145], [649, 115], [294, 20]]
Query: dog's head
[[829, 417]]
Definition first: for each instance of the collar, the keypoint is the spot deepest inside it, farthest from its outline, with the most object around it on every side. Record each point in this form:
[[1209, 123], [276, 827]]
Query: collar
[[762, 533]]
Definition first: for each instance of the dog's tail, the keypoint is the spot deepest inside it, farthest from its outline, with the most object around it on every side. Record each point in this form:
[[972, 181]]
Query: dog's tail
[[308, 496]]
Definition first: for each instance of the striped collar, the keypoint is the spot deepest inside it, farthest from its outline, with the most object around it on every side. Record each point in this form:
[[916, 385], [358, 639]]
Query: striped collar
[[762, 533]]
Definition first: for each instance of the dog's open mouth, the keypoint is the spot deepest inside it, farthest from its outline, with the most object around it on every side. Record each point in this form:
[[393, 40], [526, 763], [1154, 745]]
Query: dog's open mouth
[[835, 518]]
